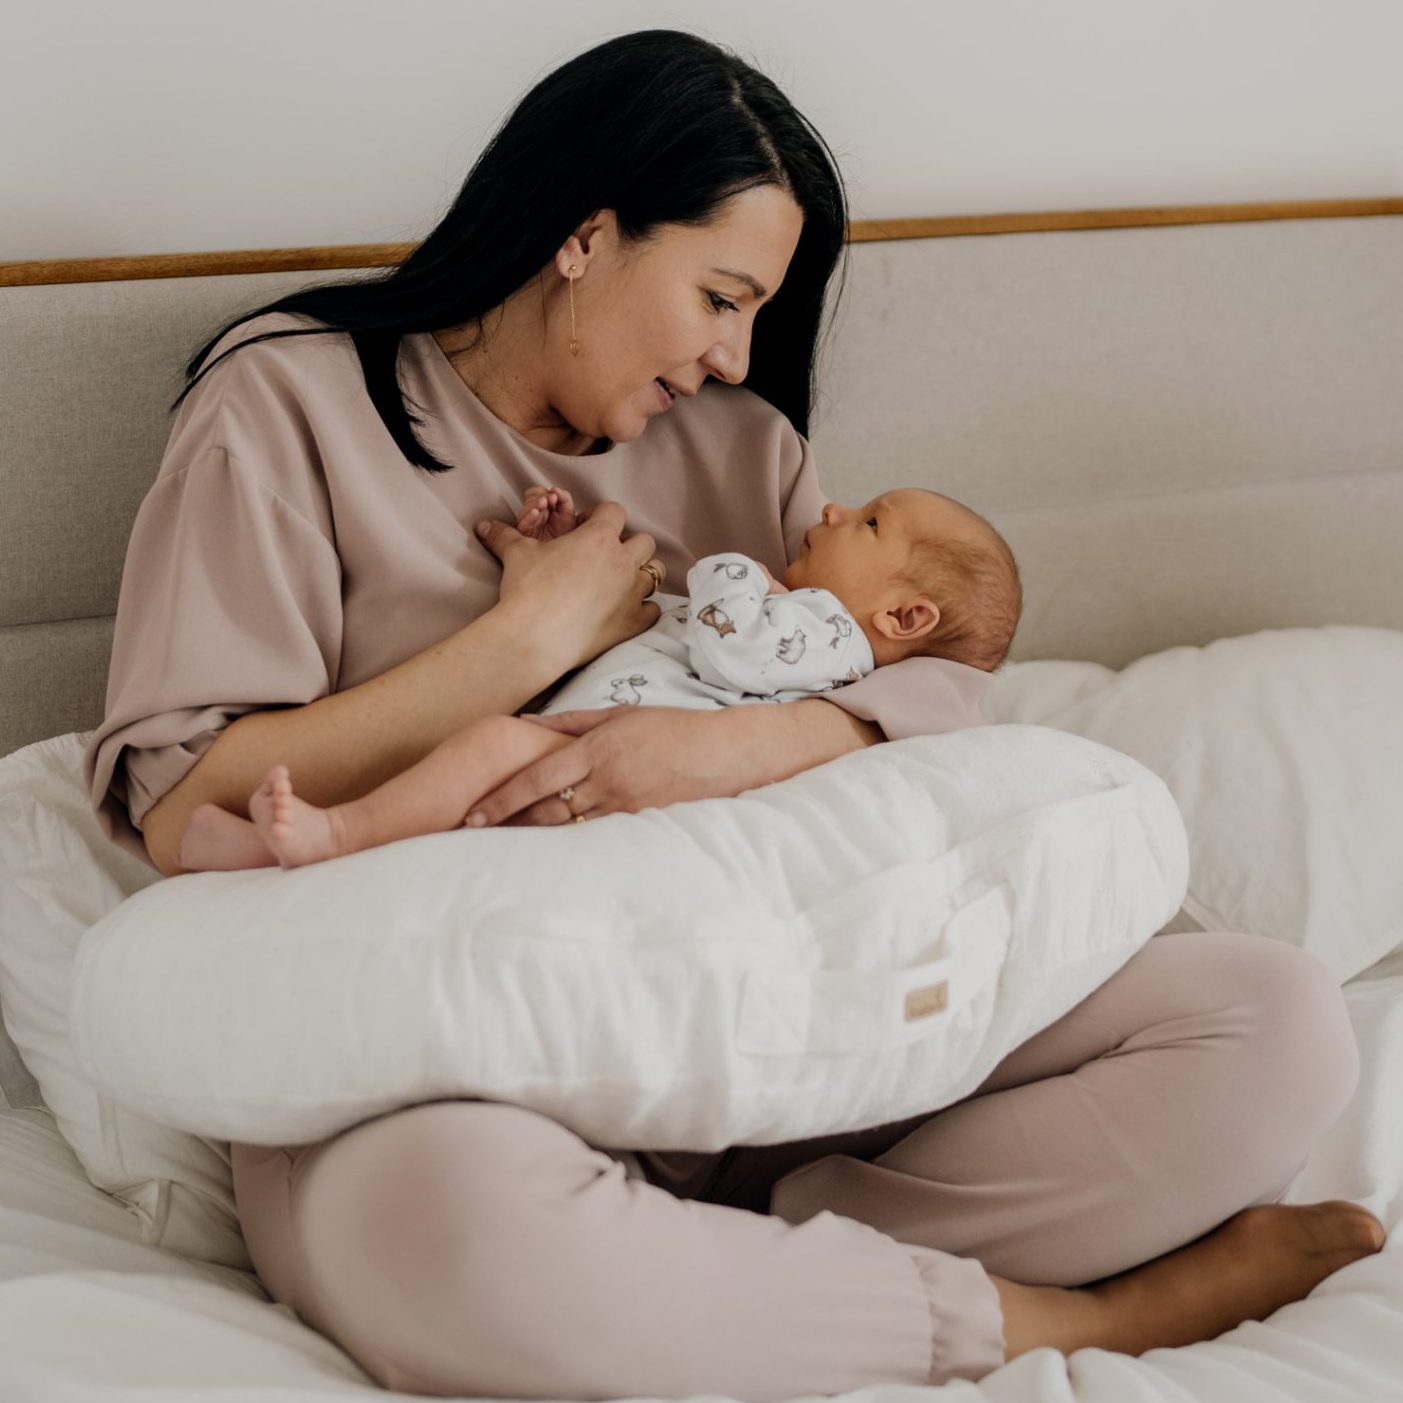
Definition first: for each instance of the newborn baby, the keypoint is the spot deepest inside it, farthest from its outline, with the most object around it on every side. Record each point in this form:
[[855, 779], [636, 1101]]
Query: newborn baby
[[912, 573]]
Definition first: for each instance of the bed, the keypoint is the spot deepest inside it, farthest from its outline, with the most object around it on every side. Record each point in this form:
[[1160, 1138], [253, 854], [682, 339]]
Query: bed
[[1189, 426]]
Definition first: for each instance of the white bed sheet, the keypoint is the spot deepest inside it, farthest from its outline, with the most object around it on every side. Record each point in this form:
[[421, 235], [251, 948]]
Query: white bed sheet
[[88, 1313]]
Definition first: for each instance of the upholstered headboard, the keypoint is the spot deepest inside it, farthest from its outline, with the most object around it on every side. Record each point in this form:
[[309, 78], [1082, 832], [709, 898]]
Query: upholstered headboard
[[1186, 430]]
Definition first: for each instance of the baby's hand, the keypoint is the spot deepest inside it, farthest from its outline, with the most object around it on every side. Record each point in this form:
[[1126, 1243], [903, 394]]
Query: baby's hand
[[775, 586], [547, 512]]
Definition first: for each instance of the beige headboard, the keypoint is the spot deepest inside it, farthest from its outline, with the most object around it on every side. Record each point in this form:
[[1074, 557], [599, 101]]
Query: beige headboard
[[1188, 427]]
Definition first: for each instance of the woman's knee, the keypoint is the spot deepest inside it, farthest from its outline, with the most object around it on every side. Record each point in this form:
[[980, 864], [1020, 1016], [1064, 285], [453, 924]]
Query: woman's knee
[[416, 1227], [1299, 1024]]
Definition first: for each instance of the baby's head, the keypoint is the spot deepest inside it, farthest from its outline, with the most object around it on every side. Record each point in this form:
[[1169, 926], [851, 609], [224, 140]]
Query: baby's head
[[923, 575]]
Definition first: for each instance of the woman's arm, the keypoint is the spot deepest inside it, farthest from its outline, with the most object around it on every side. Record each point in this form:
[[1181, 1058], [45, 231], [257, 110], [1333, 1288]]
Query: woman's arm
[[560, 602], [628, 758], [765, 743], [344, 745], [781, 740]]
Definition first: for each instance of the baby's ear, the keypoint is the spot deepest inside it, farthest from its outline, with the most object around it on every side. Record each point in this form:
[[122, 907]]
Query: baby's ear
[[908, 621]]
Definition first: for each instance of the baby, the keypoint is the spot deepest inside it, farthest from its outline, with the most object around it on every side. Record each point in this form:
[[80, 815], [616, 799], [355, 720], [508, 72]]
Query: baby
[[912, 573]]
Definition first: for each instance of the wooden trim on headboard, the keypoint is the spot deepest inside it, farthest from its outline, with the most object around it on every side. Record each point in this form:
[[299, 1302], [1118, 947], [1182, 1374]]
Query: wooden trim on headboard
[[278, 260], [1135, 218]]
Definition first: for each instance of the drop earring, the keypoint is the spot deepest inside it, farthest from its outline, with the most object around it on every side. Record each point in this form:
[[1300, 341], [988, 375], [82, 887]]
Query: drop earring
[[574, 340]]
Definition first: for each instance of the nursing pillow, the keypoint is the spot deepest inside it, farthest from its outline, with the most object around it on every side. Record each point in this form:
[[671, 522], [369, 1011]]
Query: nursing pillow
[[855, 945]]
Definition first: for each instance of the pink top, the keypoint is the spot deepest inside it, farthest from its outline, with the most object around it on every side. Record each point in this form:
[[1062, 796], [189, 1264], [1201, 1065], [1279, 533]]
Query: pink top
[[286, 549]]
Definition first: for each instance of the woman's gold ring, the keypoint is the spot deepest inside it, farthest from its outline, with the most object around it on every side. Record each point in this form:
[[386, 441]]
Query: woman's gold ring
[[567, 794], [654, 572]]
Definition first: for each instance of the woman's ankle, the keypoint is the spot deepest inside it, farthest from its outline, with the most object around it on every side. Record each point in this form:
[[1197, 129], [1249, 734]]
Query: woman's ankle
[[1064, 1318], [1259, 1260]]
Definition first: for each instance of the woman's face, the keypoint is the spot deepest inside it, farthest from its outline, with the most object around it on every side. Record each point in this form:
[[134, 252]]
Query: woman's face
[[680, 307]]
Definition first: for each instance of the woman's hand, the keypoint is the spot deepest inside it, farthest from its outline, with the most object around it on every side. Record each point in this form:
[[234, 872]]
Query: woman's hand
[[626, 758], [586, 591]]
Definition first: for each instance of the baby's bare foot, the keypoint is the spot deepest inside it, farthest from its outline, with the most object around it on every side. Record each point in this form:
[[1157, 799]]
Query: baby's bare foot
[[296, 831], [1249, 1267]]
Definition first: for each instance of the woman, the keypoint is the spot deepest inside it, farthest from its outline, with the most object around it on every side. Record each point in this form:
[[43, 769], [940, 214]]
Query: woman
[[303, 586]]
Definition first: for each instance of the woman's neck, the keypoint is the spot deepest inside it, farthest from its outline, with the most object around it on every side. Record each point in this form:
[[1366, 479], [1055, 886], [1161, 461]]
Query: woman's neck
[[512, 397]]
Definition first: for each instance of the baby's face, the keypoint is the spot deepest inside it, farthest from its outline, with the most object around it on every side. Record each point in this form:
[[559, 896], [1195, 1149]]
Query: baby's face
[[856, 551]]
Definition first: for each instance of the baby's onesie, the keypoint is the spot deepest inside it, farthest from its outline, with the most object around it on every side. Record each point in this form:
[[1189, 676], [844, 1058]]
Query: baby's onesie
[[728, 642]]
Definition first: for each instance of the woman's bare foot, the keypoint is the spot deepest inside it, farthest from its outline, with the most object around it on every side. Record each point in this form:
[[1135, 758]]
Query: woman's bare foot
[[296, 831], [1258, 1261]]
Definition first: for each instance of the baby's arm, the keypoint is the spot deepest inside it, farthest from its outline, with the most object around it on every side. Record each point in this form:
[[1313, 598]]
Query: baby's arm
[[743, 637], [776, 586]]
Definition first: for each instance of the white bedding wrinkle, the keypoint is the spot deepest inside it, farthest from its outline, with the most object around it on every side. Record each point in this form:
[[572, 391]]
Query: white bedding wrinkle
[[1284, 750], [854, 945], [59, 873]]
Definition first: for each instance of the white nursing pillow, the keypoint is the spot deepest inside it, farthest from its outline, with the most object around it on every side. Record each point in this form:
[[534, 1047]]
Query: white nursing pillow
[[852, 946]]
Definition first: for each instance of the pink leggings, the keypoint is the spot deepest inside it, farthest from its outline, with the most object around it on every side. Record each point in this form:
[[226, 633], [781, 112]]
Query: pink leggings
[[473, 1247]]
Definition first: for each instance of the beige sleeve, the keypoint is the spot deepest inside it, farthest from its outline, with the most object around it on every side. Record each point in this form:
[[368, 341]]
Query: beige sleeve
[[230, 602], [917, 697]]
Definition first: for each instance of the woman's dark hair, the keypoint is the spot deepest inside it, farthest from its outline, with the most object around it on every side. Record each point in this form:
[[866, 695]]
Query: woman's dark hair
[[661, 126]]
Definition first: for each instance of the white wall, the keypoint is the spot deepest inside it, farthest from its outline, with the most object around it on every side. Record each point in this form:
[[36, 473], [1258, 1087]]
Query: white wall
[[154, 126]]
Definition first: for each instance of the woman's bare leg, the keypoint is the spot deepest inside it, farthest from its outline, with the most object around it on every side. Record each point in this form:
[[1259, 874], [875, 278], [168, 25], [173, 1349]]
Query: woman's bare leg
[[431, 796], [1258, 1261]]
